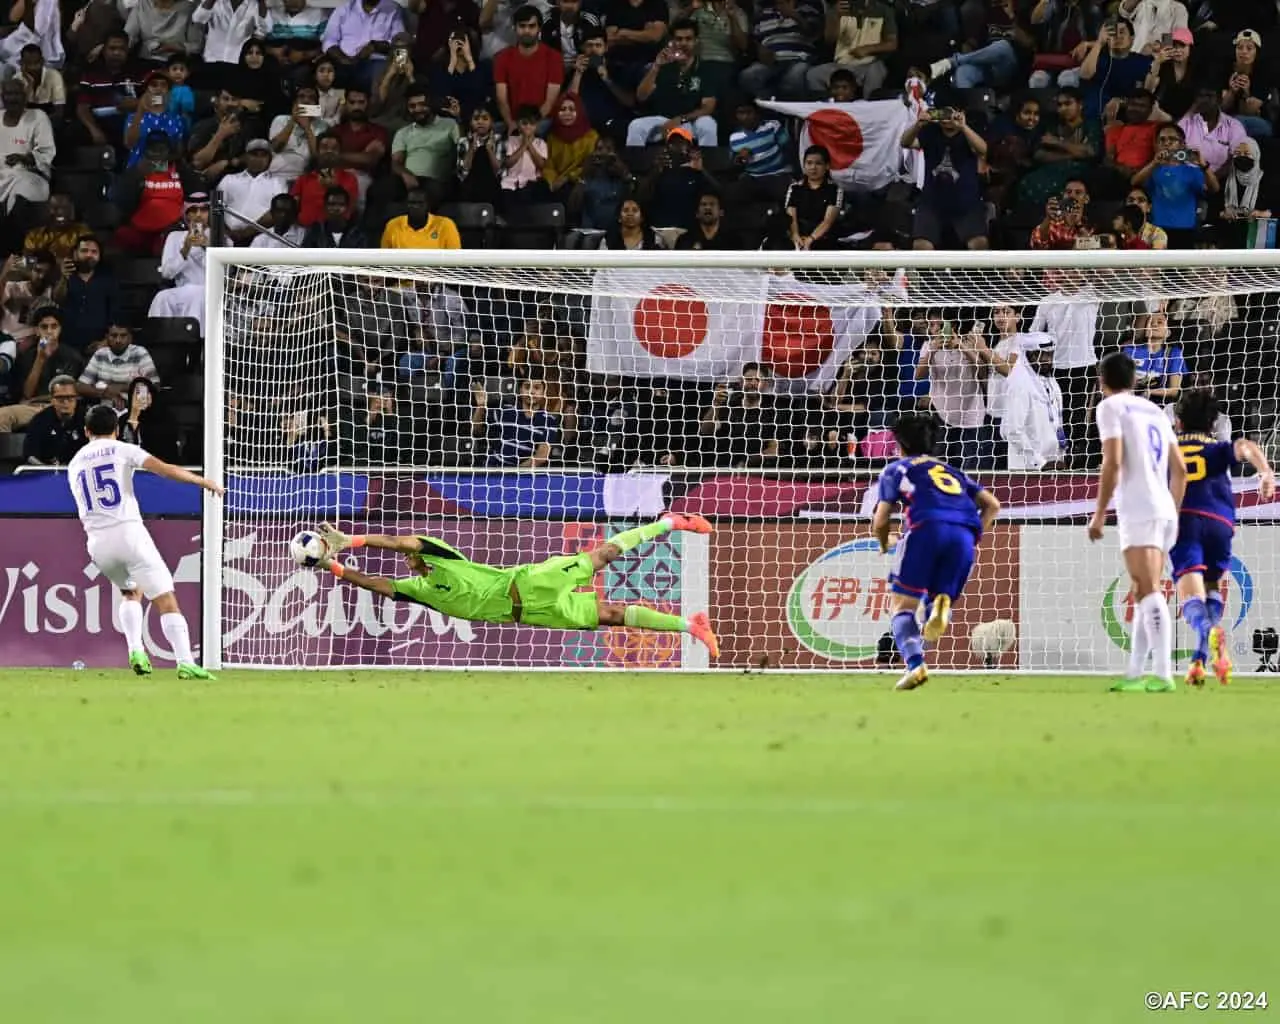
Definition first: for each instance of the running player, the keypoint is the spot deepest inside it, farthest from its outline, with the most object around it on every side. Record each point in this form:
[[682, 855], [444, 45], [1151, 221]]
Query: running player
[[1143, 468], [101, 479], [1202, 554], [944, 516], [544, 594]]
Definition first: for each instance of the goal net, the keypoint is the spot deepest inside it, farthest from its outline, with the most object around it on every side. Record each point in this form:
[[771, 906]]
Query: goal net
[[523, 405]]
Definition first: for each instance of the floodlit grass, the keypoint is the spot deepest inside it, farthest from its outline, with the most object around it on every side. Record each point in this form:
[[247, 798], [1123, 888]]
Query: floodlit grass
[[441, 847]]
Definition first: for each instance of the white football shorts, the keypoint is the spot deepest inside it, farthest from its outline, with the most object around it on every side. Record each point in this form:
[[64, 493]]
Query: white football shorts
[[127, 556], [1148, 533]]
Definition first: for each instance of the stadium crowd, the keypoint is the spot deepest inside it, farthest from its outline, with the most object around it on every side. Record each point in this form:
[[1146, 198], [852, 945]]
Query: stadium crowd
[[623, 124]]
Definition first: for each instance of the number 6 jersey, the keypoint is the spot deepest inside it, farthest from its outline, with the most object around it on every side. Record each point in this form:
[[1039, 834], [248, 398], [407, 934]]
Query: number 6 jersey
[[931, 492], [1147, 436], [101, 479]]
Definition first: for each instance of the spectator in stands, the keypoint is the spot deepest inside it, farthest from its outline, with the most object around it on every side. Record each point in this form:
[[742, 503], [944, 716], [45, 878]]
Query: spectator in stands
[[111, 368], [419, 228], [362, 144], [740, 428], [38, 22], [337, 230], [861, 32], [34, 368], [952, 193], [182, 261], [374, 437], [1171, 77], [1243, 197], [1127, 225], [678, 91], [158, 29], [998, 55], [1130, 143], [1248, 86], [565, 31], [594, 203], [88, 30], [230, 24], [569, 146], [217, 143], [45, 87], [463, 83], [1069, 314], [1154, 237], [760, 147], [26, 159], [953, 365], [1152, 20], [1112, 70], [1210, 132], [497, 29], [329, 97], [1032, 423], [285, 231], [631, 231], [182, 98], [1012, 148], [482, 156], [521, 434], [1160, 364], [87, 295], [293, 136], [423, 152], [634, 30], [673, 184], [147, 421], [526, 157], [56, 433], [708, 232], [358, 37], [151, 198], [785, 34], [297, 28], [814, 203], [1178, 177], [152, 116], [608, 103], [1000, 358], [58, 232], [389, 98], [311, 188], [437, 21], [528, 74], [258, 83], [1067, 150], [108, 91], [248, 194], [26, 284]]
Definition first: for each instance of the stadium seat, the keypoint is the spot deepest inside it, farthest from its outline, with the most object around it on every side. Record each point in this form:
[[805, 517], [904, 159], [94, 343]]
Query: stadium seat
[[718, 160], [138, 270], [639, 159], [188, 388], [94, 158], [11, 447], [476, 222], [102, 215], [535, 227], [171, 330], [84, 187]]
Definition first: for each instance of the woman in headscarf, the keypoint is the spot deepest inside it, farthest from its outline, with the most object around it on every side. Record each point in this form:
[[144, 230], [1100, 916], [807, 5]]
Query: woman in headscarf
[[260, 86], [1243, 197], [572, 141]]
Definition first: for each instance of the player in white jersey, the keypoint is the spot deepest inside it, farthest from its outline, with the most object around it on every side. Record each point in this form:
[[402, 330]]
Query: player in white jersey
[[101, 479], [1143, 467]]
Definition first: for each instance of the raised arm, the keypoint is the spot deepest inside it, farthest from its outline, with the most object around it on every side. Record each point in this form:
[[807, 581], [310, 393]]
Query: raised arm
[[1247, 451], [183, 476]]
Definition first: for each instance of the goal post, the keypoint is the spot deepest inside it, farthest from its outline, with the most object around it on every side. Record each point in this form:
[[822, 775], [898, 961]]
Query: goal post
[[526, 404]]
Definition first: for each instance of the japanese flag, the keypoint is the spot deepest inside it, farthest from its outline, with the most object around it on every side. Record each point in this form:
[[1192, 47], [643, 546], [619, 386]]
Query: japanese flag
[[863, 138]]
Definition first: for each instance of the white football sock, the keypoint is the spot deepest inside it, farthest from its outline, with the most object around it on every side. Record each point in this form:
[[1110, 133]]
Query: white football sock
[[131, 624], [1159, 622], [1140, 644], [175, 631]]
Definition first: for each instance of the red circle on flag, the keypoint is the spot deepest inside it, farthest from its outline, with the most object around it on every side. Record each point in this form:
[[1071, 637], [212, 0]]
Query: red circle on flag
[[839, 133], [671, 321], [799, 335]]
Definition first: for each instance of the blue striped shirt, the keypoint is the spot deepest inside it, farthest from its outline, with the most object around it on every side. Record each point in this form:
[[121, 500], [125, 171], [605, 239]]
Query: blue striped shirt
[[766, 145]]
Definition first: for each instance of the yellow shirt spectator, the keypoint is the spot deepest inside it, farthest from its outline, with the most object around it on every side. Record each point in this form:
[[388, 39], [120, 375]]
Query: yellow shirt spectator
[[438, 233]]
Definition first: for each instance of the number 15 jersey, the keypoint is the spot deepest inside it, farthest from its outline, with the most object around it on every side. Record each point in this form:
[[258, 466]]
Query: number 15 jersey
[[1148, 437], [101, 479], [931, 492]]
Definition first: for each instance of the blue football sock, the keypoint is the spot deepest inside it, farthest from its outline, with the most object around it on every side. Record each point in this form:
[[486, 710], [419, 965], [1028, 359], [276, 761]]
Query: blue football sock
[[906, 634], [1196, 616], [1216, 607]]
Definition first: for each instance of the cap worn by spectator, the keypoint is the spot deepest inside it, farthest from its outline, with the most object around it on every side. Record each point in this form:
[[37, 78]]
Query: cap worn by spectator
[[197, 199], [1183, 35], [257, 145], [1247, 36], [679, 131]]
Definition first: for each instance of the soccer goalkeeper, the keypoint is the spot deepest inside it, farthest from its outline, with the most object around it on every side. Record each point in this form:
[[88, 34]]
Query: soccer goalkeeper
[[544, 594]]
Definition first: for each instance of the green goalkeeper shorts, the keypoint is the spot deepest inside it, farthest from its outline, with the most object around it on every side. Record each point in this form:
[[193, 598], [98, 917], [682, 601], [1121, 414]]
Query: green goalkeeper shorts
[[549, 596]]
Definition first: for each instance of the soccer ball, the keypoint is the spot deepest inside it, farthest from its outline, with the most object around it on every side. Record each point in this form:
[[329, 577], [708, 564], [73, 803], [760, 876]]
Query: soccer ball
[[307, 549]]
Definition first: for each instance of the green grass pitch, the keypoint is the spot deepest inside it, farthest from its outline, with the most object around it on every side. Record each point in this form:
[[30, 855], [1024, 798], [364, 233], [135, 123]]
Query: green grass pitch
[[629, 849]]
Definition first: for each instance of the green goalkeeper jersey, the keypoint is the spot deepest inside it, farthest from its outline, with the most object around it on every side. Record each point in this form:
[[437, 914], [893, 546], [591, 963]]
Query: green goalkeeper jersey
[[456, 586]]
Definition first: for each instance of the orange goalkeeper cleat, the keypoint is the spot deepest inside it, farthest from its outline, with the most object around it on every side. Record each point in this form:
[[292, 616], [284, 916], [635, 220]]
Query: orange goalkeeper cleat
[[1220, 655], [700, 629], [692, 522]]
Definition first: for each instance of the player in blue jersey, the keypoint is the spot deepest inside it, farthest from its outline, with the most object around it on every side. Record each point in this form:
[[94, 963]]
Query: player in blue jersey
[[944, 516], [1206, 525]]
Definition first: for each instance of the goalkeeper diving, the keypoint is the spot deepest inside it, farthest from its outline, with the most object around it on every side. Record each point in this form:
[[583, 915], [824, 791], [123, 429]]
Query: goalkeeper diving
[[542, 594]]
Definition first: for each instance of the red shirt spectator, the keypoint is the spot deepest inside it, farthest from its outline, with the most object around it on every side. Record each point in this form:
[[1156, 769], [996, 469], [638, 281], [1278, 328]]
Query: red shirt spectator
[[528, 74], [310, 191], [1132, 146], [362, 143], [152, 196]]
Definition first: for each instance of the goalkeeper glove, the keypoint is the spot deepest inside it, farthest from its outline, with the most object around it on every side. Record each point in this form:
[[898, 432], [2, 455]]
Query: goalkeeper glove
[[334, 538]]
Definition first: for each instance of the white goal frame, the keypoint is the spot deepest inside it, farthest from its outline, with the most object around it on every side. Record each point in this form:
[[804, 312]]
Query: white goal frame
[[221, 261]]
